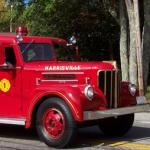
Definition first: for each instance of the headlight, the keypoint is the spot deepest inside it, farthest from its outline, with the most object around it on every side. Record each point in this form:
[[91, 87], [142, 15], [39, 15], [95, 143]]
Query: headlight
[[132, 89], [89, 92]]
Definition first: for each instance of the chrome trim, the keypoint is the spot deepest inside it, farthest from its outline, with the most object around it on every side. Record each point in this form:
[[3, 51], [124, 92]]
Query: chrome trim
[[43, 73], [118, 87], [111, 94], [59, 80], [94, 115], [116, 91], [105, 83], [113, 89], [18, 67], [130, 86], [86, 92], [87, 80], [98, 72], [13, 121], [38, 80], [10, 68]]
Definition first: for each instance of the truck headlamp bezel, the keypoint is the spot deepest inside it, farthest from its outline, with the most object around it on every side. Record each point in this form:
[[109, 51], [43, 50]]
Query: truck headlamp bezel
[[132, 89], [89, 92]]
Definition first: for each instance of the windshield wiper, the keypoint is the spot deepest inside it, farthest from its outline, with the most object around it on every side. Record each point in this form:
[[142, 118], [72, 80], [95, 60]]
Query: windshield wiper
[[29, 44]]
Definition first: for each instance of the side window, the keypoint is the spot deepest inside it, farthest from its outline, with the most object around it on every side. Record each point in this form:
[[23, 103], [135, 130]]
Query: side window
[[10, 55]]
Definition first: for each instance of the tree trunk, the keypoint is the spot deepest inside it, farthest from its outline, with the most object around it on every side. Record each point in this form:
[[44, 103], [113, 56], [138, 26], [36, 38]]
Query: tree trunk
[[146, 41], [132, 51], [124, 42], [138, 47]]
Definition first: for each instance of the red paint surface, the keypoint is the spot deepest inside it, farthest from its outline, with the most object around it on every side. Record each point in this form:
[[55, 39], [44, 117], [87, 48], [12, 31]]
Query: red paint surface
[[25, 93]]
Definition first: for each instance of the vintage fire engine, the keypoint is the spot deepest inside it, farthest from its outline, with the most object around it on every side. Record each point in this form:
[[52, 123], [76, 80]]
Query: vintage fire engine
[[59, 96]]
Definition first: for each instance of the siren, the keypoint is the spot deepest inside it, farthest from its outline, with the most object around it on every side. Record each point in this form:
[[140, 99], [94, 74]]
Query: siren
[[22, 31]]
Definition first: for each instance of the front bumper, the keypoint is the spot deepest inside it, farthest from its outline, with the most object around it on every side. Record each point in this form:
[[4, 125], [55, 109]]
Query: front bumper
[[95, 115]]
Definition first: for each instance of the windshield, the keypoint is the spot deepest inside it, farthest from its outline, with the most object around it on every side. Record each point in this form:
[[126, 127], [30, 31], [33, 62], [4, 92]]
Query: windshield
[[64, 53], [36, 52]]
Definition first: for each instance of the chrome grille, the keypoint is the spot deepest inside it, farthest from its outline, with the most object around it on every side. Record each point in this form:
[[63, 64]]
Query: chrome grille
[[109, 84]]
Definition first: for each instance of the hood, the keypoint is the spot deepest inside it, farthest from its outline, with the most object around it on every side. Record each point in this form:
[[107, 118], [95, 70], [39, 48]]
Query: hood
[[69, 66]]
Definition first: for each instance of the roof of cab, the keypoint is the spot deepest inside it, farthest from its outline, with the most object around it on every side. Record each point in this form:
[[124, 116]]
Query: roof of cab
[[7, 37], [11, 37]]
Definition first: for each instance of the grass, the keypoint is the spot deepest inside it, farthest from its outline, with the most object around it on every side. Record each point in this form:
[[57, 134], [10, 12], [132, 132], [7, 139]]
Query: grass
[[148, 92]]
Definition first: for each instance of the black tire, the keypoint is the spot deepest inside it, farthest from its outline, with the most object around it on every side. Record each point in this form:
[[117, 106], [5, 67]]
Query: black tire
[[117, 126], [55, 124]]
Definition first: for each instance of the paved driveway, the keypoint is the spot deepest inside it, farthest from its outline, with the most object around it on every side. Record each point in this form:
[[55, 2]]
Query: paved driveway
[[18, 138]]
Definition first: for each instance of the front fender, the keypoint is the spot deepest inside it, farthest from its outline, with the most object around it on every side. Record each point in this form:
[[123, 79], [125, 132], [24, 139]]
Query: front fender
[[126, 99], [70, 95]]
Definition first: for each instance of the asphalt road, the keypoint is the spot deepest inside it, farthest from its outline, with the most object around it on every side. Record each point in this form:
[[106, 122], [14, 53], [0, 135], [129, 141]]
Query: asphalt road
[[18, 138]]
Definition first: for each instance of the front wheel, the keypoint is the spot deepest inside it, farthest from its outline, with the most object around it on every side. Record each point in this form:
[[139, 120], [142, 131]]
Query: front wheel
[[117, 126], [55, 123]]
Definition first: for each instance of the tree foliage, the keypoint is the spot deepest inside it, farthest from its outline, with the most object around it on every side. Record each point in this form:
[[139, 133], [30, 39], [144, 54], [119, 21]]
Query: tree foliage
[[89, 20], [11, 10], [4, 17]]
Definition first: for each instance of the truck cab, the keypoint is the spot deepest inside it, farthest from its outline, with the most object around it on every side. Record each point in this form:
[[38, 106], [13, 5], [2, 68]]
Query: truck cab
[[58, 96]]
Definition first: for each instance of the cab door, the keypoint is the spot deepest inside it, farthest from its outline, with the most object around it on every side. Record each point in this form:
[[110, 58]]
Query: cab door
[[10, 85]]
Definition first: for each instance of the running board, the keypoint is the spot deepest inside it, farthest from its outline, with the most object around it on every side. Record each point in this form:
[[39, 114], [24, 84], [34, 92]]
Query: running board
[[12, 121], [95, 115]]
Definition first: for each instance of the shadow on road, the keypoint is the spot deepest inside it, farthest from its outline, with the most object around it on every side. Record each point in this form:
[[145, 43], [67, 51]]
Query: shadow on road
[[17, 132], [93, 137], [86, 137]]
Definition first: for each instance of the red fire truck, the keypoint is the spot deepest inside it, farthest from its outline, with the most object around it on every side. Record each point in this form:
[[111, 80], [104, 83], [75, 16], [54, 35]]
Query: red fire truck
[[56, 96]]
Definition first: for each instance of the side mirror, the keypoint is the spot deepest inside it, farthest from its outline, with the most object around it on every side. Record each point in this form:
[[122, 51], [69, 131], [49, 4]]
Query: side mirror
[[72, 41], [73, 44]]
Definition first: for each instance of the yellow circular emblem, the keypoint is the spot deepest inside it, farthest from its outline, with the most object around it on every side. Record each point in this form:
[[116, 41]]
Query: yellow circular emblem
[[5, 85]]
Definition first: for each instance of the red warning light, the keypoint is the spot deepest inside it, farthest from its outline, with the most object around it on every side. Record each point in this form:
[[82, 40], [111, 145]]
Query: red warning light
[[22, 30]]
